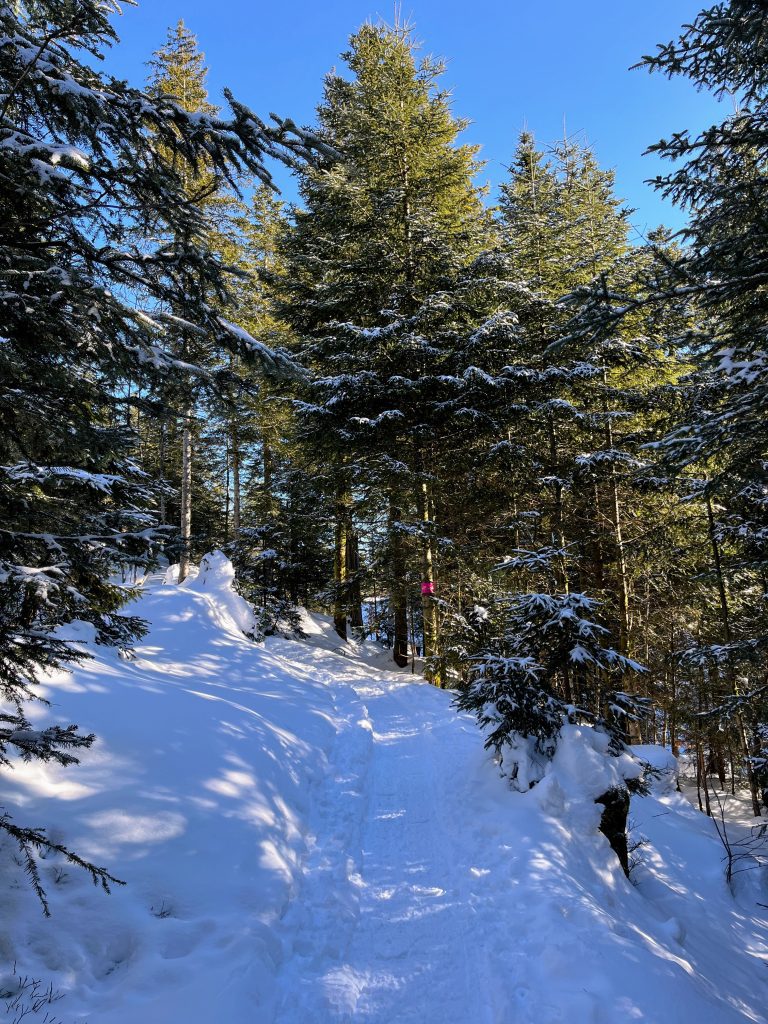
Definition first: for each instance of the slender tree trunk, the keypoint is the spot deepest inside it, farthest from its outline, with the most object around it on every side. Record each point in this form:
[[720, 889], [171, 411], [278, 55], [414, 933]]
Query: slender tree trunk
[[428, 600], [621, 559], [731, 761], [163, 436], [227, 494], [702, 775], [186, 494], [622, 567], [268, 473], [397, 593], [598, 566], [355, 592], [719, 761], [348, 599], [234, 442], [413, 640], [558, 536], [340, 569], [673, 705], [558, 515], [699, 774]]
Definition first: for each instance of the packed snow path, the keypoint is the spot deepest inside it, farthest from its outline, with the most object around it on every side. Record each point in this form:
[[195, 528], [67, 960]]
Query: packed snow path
[[386, 924], [310, 838]]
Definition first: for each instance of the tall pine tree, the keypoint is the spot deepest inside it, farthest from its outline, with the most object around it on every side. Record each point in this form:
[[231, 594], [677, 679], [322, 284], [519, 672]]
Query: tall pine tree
[[387, 227]]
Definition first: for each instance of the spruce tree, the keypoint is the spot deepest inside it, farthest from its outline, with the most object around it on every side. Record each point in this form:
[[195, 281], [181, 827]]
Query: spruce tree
[[390, 225], [550, 640], [178, 72], [720, 437]]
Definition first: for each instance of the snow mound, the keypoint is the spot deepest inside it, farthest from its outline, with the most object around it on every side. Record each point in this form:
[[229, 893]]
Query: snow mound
[[196, 793], [663, 776], [582, 770], [216, 579]]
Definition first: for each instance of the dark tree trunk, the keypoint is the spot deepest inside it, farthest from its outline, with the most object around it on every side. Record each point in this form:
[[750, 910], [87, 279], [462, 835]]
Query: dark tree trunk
[[397, 591], [340, 575], [353, 570], [613, 822]]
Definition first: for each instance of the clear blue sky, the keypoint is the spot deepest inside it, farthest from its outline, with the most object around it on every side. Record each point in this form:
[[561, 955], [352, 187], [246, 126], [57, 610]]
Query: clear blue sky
[[511, 64]]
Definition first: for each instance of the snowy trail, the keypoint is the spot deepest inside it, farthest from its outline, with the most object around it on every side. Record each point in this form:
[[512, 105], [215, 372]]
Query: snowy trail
[[413, 948], [403, 910], [311, 839]]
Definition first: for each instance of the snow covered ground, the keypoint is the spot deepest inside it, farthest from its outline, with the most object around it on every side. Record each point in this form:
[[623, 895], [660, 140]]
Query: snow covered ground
[[309, 838]]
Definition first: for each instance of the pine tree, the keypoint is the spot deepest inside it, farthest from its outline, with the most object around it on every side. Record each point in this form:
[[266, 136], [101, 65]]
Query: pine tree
[[389, 226], [544, 656], [178, 72], [572, 401], [720, 438]]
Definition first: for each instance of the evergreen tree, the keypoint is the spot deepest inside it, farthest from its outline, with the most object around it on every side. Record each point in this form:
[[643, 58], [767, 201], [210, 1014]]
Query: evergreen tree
[[387, 227], [573, 403], [178, 72], [720, 437], [515, 688]]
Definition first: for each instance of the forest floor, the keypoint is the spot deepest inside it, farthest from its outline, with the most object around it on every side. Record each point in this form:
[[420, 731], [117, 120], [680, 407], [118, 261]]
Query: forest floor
[[310, 838]]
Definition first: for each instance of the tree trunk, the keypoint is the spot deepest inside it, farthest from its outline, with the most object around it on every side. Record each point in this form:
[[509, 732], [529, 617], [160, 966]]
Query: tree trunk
[[557, 517], [163, 433], [186, 495], [621, 560], [622, 567], [340, 572], [235, 459], [701, 771], [397, 592], [268, 472], [428, 600], [227, 490], [355, 593], [346, 563], [673, 704]]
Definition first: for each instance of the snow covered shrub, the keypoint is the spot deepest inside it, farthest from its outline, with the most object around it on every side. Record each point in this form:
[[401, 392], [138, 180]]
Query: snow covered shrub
[[547, 692], [28, 998], [515, 710], [547, 664], [263, 576]]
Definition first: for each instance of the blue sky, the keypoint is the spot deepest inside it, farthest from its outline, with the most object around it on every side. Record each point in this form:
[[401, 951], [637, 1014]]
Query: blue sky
[[511, 64]]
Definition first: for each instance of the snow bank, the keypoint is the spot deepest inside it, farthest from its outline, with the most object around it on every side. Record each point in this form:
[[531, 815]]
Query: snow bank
[[664, 772], [582, 770], [215, 578]]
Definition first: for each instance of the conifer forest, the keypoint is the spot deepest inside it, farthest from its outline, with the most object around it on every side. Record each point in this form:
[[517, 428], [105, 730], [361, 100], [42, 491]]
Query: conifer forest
[[400, 548]]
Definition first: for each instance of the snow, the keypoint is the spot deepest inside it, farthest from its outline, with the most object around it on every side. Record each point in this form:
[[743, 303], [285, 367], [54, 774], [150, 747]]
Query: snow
[[665, 769], [309, 838]]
